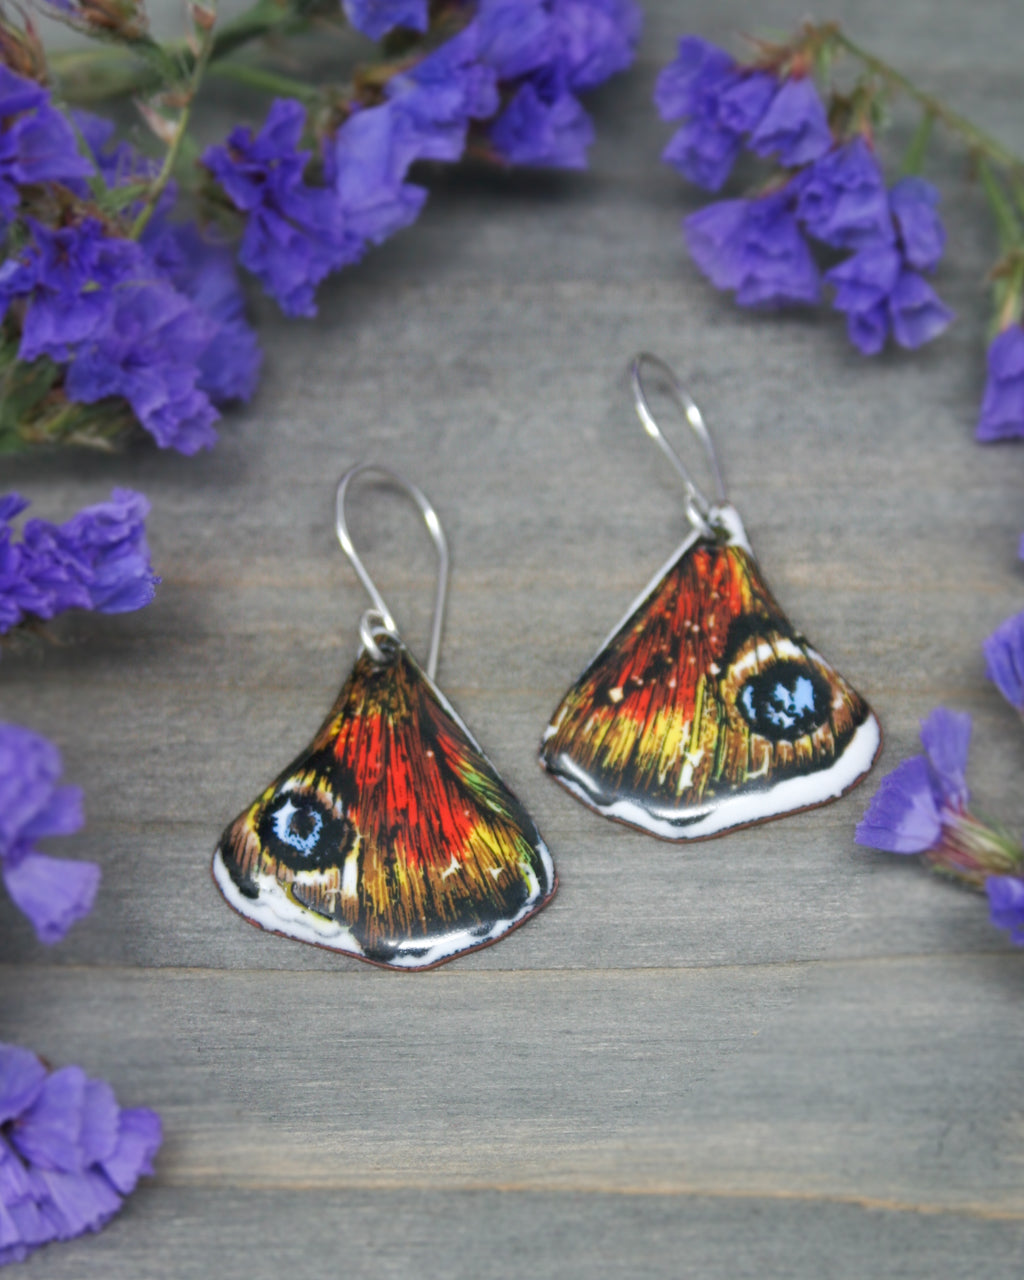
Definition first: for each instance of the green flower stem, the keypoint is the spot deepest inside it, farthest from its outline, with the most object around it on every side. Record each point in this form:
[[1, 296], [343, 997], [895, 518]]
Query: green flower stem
[[976, 138], [269, 81], [913, 161], [107, 71], [1009, 294], [1007, 222], [157, 187]]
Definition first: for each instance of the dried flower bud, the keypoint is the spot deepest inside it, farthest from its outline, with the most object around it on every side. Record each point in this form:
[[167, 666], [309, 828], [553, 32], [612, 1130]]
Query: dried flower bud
[[202, 17], [165, 127], [21, 49]]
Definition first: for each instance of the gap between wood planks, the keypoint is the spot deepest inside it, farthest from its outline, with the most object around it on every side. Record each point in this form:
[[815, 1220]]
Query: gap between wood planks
[[669, 1189]]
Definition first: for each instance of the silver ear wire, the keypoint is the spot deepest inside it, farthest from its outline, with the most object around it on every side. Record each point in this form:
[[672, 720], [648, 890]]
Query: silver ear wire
[[698, 508], [379, 621]]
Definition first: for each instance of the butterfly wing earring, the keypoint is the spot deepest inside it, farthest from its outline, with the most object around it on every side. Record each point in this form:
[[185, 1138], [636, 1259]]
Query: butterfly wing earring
[[391, 837], [705, 710]]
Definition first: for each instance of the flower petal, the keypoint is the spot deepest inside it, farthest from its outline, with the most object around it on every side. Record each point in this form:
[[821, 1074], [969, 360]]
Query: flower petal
[[1006, 904], [902, 816], [52, 892], [138, 1140], [946, 737], [21, 1078], [49, 1133]]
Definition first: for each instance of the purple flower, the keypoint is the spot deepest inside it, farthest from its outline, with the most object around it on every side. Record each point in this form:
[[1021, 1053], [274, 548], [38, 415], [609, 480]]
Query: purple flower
[[863, 283], [946, 738], [925, 794], [918, 313], [1006, 905], [440, 95], [68, 1152], [879, 295], [754, 247], [596, 38], [368, 161], [119, 163], [20, 594], [921, 807], [1004, 659], [698, 69], [52, 892], [149, 353], [98, 304], [375, 18], [294, 235], [110, 539], [723, 103], [543, 126], [795, 125], [204, 272], [516, 36], [1002, 406], [703, 152], [903, 816], [922, 236], [841, 198], [68, 276], [96, 560], [37, 144], [743, 98]]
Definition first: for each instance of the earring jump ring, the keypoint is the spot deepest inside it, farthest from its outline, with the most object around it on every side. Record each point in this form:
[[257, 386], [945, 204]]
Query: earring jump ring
[[430, 519], [697, 504]]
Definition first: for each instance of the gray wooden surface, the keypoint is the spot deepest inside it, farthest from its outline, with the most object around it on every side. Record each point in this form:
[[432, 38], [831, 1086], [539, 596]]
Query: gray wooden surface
[[772, 1054]]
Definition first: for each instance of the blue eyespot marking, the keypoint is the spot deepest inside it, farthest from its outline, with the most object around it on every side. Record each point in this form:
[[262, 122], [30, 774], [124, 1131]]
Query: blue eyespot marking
[[786, 701], [299, 828]]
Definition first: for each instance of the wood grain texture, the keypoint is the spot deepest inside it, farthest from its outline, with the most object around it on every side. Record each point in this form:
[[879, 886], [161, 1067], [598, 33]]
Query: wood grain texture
[[775, 1054]]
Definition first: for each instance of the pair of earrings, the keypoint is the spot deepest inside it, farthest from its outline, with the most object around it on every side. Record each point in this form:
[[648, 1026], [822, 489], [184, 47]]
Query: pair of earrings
[[392, 837]]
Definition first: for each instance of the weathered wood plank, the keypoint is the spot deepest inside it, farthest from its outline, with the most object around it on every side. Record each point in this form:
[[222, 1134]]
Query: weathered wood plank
[[173, 1233], [881, 1081]]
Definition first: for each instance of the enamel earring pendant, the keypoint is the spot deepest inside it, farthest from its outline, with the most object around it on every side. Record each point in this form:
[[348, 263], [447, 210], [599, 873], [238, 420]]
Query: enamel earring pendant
[[705, 710], [391, 837]]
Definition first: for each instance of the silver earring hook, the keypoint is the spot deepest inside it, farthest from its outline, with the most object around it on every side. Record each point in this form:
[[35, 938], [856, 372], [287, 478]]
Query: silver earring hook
[[379, 619], [697, 506]]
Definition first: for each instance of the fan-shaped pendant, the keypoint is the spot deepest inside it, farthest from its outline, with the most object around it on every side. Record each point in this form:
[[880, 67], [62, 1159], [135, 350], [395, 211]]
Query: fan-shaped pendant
[[391, 837], [704, 710]]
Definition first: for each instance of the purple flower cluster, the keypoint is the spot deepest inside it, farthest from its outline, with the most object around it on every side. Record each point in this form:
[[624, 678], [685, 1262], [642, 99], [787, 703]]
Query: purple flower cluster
[[725, 104], [833, 192], [68, 1153], [880, 286], [921, 807], [52, 892], [96, 560], [533, 56], [126, 320]]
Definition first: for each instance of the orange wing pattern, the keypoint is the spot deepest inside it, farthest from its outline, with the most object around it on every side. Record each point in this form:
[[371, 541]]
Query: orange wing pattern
[[391, 837], [706, 710]]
